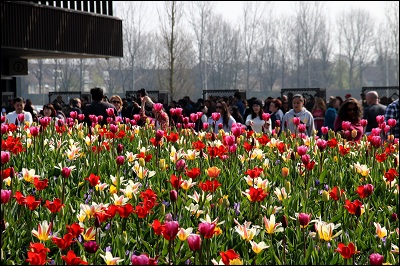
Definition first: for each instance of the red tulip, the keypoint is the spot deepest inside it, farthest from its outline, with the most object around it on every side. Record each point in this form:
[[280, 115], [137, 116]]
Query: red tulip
[[365, 190], [63, 243], [72, 259], [229, 255], [54, 206], [347, 252]]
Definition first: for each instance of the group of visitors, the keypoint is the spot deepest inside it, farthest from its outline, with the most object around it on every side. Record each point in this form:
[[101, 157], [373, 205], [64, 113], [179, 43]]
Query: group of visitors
[[273, 116]]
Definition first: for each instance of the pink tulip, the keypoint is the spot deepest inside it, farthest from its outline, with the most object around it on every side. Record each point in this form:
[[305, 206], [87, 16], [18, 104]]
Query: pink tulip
[[66, 172], [236, 130], [380, 119], [301, 150], [321, 144], [296, 121], [230, 140], [391, 122], [172, 111], [205, 126], [81, 117], [185, 120], [21, 117], [171, 229], [215, 116], [302, 128], [4, 128], [266, 116], [158, 107], [140, 260], [305, 159], [194, 242], [324, 130], [120, 160], [376, 141], [5, 157], [99, 118], [194, 117], [346, 125], [363, 122], [34, 131], [206, 229], [304, 219], [136, 117], [45, 121], [178, 111], [113, 128], [73, 114], [180, 165], [376, 259], [110, 112], [278, 123], [5, 196], [376, 131]]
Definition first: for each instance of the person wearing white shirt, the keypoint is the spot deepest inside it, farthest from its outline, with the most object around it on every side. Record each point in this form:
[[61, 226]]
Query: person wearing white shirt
[[12, 117], [255, 119], [225, 120]]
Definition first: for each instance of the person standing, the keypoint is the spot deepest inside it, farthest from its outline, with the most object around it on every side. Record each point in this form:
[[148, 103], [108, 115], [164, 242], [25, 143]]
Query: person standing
[[98, 107], [117, 102], [331, 113], [276, 114], [12, 117], [392, 112], [373, 109], [255, 120], [225, 120], [318, 112], [298, 111], [350, 111]]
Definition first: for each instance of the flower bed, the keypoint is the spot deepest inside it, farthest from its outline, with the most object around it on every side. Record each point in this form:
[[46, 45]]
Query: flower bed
[[133, 195]]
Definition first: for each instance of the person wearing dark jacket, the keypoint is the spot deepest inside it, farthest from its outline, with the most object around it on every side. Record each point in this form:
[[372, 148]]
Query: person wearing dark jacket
[[98, 107]]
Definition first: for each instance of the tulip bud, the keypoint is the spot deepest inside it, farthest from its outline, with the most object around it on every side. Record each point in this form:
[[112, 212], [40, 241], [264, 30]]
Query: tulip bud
[[121, 159], [288, 187], [142, 162], [354, 133], [21, 117], [296, 121], [393, 217], [358, 211], [284, 221], [162, 164], [325, 196], [5, 196], [173, 195], [120, 148]]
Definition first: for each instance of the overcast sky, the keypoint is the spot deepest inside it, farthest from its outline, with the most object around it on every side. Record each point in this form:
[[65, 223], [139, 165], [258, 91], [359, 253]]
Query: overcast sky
[[233, 10]]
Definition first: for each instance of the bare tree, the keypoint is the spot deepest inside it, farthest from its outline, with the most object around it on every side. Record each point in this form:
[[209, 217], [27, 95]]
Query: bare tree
[[310, 28], [38, 73], [200, 12], [252, 17], [69, 74], [392, 18], [133, 15], [177, 46], [356, 38]]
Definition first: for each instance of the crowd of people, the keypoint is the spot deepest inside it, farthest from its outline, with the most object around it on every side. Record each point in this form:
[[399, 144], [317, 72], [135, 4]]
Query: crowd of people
[[351, 117]]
